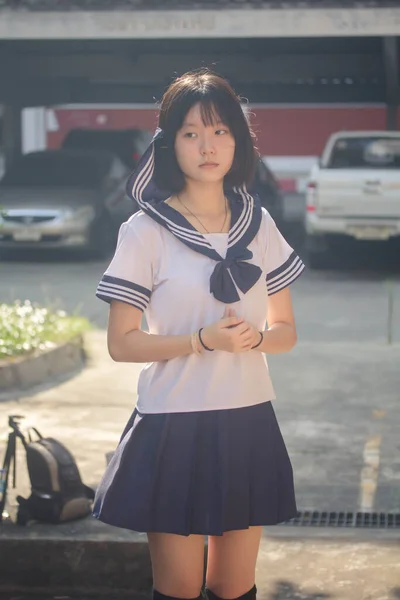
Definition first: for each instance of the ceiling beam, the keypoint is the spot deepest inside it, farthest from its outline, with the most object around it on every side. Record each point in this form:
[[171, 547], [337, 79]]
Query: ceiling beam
[[264, 22], [155, 69], [47, 92]]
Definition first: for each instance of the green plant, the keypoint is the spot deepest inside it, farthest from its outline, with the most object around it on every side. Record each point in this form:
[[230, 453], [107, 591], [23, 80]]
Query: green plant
[[26, 328]]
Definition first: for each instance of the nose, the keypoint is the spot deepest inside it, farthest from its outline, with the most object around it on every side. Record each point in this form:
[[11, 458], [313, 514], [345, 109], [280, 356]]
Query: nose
[[207, 145]]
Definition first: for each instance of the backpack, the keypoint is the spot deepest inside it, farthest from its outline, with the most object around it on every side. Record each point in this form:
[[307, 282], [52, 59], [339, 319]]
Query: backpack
[[57, 491]]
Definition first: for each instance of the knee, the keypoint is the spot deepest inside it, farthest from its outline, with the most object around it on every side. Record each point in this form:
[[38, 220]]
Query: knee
[[226, 594]]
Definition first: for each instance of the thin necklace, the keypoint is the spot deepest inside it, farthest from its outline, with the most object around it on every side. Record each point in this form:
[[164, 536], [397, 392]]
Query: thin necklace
[[197, 218]]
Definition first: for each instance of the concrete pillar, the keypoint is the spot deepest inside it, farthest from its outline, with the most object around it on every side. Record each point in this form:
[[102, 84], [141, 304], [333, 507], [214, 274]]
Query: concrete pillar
[[33, 129], [391, 66], [12, 133]]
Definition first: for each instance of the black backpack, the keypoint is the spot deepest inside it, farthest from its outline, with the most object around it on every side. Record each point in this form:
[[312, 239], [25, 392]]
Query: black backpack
[[57, 491]]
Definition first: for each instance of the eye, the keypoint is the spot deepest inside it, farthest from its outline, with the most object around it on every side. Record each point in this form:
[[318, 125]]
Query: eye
[[222, 131], [189, 134]]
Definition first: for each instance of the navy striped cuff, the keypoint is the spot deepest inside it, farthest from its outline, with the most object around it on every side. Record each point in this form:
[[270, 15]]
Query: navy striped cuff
[[114, 288], [285, 274]]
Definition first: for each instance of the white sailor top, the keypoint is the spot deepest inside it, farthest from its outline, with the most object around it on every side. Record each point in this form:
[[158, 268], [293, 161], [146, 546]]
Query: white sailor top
[[183, 280]]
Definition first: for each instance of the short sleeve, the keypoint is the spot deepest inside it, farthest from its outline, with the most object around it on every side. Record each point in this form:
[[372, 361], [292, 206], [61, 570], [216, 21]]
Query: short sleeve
[[129, 276], [283, 266]]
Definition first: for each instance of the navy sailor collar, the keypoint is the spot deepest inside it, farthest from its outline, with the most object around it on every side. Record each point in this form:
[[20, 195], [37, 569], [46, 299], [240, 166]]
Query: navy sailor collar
[[245, 223]]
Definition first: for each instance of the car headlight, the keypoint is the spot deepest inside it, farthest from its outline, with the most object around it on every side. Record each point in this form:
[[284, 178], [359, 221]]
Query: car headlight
[[83, 214]]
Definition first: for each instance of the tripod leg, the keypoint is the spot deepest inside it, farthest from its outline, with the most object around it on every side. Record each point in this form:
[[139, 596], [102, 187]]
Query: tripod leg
[[9, 457]]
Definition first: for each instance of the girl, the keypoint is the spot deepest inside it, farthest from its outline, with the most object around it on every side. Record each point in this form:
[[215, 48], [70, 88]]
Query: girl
[[202, 454]]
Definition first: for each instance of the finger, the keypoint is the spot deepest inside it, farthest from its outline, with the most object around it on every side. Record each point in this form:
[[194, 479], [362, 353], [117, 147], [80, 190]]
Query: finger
[[231, 322], [239, 329], [248, 345], [248, 332], [246, 338], [245, 348], [243, 329], [231, 313]]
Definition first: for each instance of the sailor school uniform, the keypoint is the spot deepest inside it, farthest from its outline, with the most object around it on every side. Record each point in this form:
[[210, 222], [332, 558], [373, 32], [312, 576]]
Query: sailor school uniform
[[202, 452]]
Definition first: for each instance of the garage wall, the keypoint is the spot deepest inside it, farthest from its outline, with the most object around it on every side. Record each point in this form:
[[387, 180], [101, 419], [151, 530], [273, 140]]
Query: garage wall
[[290, 138]]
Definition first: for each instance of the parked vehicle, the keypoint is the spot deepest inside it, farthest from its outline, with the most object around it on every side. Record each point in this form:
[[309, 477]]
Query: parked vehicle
[[354, 192], [64, 199], [267, 187], [130, 144], [127, 144]]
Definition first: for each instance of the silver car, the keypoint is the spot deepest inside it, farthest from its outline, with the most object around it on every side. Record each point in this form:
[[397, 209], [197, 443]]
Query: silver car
[[64, 199]]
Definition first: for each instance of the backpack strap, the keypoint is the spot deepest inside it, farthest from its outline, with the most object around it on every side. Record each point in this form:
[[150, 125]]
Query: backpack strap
[[39, 435], [89, 492]]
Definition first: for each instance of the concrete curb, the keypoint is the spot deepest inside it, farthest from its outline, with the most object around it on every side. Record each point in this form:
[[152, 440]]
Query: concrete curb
[[90, 558], [22, 373], [85, 556]]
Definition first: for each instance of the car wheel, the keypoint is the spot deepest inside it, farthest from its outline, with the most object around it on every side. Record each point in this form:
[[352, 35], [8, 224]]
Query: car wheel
[[101, 238]]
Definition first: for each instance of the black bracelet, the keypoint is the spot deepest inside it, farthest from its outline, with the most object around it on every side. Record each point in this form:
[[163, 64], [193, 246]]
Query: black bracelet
[[260, 342], [202, 343]]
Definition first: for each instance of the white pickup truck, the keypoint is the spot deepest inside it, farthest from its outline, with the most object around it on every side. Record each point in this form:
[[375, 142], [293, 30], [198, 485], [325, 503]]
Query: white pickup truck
[[353, 191]]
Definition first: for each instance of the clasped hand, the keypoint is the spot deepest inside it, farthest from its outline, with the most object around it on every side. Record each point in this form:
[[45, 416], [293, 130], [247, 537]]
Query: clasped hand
[[231, 333]]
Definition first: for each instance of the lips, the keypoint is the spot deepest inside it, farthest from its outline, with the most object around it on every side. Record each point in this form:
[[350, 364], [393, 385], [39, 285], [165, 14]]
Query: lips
[[209, 164]]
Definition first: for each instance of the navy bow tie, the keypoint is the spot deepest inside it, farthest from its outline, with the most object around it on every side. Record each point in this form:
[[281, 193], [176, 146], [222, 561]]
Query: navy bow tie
[[243, 274]]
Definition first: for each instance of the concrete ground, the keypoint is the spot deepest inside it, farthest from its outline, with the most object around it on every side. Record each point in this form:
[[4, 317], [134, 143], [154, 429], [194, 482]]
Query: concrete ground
[[89, 410], [337, 404], [295, 565]]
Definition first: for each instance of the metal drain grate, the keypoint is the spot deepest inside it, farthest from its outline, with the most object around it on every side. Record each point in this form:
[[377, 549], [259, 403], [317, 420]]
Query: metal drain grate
[[315, 518]]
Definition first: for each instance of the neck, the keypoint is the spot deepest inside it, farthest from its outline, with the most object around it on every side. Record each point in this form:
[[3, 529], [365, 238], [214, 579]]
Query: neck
[[204, 198]]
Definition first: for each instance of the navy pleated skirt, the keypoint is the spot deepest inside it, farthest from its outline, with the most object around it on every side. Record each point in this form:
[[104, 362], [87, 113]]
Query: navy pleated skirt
[[198, 473]]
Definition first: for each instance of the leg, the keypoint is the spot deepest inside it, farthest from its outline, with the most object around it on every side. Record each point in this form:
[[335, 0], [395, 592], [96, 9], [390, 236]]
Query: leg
[[232, 563], [177, 564]]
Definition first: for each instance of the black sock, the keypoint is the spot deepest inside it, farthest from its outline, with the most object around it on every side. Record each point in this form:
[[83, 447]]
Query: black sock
[[250, 595]]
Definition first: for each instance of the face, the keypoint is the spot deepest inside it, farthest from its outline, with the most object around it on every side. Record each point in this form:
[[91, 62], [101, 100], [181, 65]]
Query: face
[[204, 152]]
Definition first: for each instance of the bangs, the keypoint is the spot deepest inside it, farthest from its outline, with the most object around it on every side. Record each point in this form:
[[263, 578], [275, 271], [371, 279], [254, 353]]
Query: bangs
[[216, 104], [210, 113]]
